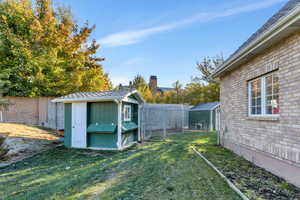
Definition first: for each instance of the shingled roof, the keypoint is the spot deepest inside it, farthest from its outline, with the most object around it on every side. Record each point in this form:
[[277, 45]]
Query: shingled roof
[[291, 5], [205, 106], [275, 20], [97, 96]]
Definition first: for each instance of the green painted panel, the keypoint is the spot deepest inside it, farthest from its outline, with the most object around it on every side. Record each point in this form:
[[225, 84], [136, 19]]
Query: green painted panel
[[129, 126], [199, 117], [102, 140], [102, 128], [214, 119], [68, 124], [102, 113]]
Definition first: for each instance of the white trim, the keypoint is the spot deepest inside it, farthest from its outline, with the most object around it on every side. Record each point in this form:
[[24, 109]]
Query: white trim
[[129, 112], [130, 100], [215, 106], [83, 100], [139, 122], [137, 94], [119, 141], [108, 149], [263, 97], [1, 116], [211, 120], [79, 121]]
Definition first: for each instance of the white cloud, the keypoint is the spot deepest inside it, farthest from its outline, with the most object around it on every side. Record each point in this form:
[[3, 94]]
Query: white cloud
[[118, 79], [130, 66], [135, 36]]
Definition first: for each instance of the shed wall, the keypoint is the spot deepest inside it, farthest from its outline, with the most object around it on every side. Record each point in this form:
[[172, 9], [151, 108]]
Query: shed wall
[[68, 125], [102, 113]]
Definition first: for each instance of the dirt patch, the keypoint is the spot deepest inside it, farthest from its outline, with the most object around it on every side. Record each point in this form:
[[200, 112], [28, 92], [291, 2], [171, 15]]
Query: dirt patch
[[20, 141]]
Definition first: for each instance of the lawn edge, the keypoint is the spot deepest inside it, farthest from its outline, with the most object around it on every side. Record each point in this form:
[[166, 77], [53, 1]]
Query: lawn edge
[[229, 183]]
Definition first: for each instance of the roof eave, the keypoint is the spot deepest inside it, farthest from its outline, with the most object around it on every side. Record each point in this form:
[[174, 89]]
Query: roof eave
[[282, 29], [84, 100]]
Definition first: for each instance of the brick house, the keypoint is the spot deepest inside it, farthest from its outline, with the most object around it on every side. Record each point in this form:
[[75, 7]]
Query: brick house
[[260, 96]]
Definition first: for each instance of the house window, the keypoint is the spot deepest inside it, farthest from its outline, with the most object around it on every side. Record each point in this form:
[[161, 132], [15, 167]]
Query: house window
[[127, 113], [264, 95]]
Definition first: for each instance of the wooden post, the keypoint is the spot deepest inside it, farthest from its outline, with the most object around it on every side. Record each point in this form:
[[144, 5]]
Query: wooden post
[[119, 143], [139, 123]]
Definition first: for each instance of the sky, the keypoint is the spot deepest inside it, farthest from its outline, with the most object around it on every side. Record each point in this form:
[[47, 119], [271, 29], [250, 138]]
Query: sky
[[167, 38]]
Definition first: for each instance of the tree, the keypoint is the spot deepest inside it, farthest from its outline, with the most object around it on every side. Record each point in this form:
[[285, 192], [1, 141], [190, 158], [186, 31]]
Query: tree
[[207, 66], [202, 89], [4, 84], [45, 52], [138, 82], [178, 87]]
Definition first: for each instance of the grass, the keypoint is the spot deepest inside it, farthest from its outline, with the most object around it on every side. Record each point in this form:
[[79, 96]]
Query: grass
[[255, 182], [25, 131], [168, 169]]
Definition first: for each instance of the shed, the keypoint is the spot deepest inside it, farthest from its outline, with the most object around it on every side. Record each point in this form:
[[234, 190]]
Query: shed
[[205, 116], [106, 120]]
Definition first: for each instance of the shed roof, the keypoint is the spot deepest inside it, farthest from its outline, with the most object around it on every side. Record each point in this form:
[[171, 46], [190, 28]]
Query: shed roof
[[284, 22], [205, 106], [99, 96]]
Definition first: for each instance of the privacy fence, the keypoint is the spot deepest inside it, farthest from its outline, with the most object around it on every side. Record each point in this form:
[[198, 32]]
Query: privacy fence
[[163, 119], [155, 119], [34, 111]]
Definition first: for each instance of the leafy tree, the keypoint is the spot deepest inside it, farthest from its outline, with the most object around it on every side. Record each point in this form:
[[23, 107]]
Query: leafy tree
[[45, 52], [202, 89], [139, 82], [207, 66], [4, 84]]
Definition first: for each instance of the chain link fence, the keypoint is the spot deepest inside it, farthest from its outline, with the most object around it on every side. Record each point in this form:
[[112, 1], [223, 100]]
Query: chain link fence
[[163, 119]]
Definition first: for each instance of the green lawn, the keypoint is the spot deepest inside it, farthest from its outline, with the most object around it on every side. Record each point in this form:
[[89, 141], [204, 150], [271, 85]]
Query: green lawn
[[158, 170]]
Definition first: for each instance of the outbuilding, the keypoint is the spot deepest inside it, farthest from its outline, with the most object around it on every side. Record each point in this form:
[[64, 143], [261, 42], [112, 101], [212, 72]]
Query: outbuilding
[[106, 120], [205, 116]]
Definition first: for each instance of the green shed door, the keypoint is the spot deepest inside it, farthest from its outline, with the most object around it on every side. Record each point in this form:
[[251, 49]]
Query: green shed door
[[68, 124], [199, 120]]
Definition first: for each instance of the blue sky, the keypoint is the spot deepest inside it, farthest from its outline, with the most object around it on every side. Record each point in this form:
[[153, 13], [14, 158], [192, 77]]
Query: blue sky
[[167, 37]]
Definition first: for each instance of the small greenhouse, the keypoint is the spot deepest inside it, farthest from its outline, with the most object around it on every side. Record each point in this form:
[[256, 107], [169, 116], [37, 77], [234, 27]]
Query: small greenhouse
[[205, 117], [106, 120]]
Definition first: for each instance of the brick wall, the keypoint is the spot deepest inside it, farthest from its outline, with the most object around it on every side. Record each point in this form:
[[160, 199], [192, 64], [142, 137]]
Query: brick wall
[[280, 138], [34, 111]]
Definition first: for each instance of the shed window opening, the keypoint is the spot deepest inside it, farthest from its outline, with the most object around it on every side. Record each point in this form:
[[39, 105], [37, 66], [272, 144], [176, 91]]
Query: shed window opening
[[127, 113], [264, 95]]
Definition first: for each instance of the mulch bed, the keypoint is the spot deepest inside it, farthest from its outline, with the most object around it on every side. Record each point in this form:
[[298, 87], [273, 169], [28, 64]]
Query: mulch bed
[[253, 181]]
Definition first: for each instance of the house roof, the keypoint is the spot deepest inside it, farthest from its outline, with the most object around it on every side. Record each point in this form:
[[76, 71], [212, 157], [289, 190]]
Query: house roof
[[165, 89], [279, 26], [205, 106], [99, 96]]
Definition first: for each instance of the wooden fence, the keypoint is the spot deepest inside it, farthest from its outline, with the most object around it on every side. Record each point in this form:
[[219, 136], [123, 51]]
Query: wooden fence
[[34, 111], [156, 119]]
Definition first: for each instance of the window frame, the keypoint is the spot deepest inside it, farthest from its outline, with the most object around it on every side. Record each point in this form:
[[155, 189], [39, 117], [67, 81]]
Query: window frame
[[128, 108], [263, 97]]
